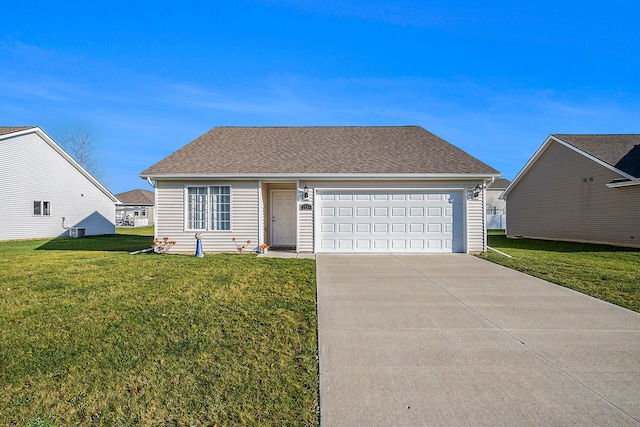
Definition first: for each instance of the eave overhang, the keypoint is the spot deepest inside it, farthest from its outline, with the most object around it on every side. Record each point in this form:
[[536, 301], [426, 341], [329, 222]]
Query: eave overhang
[[327, 176]]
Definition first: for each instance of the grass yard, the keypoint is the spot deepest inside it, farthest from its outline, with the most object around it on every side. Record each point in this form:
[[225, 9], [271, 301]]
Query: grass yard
[[90, 335], [606, 272]]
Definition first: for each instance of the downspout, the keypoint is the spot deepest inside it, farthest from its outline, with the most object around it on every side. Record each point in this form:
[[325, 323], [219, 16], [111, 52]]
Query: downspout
[[155, 205], [260, 215], [484, 210]]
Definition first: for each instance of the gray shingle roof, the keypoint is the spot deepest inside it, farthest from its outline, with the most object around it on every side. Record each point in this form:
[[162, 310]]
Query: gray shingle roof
[[621, 151], [137, 197], [5, 130], [319, 150], [499, 184]]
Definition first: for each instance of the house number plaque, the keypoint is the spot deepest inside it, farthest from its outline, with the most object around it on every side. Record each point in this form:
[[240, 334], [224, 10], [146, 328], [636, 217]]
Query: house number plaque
[[306, 207]]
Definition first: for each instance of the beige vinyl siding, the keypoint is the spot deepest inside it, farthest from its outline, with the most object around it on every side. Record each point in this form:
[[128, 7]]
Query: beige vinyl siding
[[245, 209], [476, 225], [32, 170], [564, 196], [170, 215], [171, 220], [305, 223]]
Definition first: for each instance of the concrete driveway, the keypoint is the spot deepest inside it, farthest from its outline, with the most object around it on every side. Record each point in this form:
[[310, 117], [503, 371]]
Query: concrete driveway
[[429, 340]]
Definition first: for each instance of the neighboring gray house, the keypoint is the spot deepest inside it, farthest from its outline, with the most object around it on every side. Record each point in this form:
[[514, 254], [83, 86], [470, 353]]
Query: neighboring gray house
[[45, 192], [322, 189], [135, 208], [496, 207], [583, 188]]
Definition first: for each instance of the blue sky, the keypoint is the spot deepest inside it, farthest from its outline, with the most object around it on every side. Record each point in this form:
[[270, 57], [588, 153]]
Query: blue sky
[[494, 78]]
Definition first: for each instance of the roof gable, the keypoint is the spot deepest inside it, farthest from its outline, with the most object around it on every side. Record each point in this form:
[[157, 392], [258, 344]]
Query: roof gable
[[617, 152], [621, 151], [11, 132], [318, 150]]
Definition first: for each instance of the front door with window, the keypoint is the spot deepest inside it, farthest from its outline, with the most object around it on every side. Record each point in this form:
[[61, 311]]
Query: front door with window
[[283, 218]]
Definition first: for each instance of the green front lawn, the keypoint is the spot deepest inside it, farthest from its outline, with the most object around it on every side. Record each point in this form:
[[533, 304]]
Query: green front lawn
[[90, 335], [606, 272]]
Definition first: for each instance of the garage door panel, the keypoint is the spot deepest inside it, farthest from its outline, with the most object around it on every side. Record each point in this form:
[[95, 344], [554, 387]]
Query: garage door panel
[[327, 228], [398, 228], [326, 212], [434, 212], [345, 228], [398, 244], [363, 211], [380, 211], [379, 244], [381, 228], [327, 244], [345, 244], [434, 228], [363, 228], [416, 244], [363, 244], [381, 221], [416, 228]]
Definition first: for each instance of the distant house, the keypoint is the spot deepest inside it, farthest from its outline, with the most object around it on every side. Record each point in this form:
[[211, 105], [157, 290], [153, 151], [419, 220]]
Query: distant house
[[583, 188], [496, 207], [45, 192], [135, 208], [322, 189]]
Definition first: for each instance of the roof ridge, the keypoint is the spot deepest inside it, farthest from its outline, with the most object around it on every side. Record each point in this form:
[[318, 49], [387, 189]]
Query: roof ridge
[[315, 126], [595, 134]]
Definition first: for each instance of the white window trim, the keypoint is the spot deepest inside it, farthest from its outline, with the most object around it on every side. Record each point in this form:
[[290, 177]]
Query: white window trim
[[42, 210], [208, 214]]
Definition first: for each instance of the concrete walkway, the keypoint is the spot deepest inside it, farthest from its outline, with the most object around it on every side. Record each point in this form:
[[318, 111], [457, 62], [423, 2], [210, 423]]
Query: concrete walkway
[[452, 340]]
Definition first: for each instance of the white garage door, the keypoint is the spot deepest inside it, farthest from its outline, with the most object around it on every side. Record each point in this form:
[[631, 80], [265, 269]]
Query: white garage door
[[389, 221]]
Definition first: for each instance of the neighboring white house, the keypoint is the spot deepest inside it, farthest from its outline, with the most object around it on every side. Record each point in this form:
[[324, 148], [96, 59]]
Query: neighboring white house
[[583, 188], [322, 189], [45, 192], [135, 208], [496, 207]]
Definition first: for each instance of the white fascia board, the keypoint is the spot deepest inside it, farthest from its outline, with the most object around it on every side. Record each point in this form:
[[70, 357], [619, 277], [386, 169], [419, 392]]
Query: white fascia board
[[624, 183], [19, 133], [334, 177], [42, 134]]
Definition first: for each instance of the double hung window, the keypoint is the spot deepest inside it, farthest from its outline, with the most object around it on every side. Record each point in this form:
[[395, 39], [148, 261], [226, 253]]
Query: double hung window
[[209, 208]]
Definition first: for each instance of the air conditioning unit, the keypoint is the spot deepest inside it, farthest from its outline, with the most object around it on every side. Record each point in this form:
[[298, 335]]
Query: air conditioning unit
[[76, 232]]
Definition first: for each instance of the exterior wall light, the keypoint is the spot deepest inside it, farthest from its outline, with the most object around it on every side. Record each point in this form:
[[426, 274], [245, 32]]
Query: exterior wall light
[[476, 191]]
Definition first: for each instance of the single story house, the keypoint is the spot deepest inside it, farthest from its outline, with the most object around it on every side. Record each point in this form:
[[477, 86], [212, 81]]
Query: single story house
[[45, 192], [322, 189], [583, 188], [135, 208], [496, 206]]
